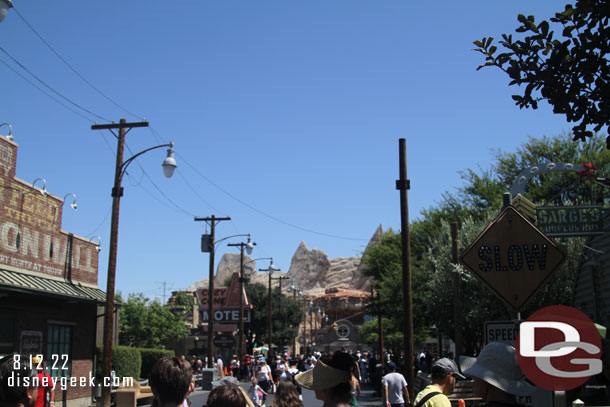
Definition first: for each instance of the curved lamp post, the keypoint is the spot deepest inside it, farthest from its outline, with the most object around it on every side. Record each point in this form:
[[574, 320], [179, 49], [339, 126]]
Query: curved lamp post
[[248, 246], [269, 270], [169, 165], [73, 205], [295, 289], [10, 128], [98, 248]]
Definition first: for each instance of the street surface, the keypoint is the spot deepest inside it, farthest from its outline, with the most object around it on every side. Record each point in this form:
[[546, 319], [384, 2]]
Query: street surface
[[199, 397]]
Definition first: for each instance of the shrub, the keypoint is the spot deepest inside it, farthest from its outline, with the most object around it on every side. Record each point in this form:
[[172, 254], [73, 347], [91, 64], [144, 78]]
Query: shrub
[[126, 361], [149, 357]]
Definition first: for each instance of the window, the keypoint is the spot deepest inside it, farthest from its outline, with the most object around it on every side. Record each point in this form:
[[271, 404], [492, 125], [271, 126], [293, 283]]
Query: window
[[59, 350]]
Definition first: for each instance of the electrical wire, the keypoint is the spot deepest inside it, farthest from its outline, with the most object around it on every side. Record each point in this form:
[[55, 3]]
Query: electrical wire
[[72, 68], [197, 193], [50, 88], [182, 158], [45, 92]]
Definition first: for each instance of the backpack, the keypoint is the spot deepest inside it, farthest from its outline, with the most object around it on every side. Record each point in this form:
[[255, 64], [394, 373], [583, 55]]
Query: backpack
[[292, 375]]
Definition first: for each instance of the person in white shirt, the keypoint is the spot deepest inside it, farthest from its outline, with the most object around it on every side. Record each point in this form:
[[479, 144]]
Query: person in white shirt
[[395, 388], [289, 375]]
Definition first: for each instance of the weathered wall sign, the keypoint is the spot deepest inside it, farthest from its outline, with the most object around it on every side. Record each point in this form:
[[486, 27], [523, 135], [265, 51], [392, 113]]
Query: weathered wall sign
[[571, 220], [31, 238]]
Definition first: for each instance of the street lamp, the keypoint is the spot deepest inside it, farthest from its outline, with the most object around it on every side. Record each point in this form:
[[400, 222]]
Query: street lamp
[[169, 165], [4, 6], [10, 128], [270, 270], [248, 246], [295, 289]]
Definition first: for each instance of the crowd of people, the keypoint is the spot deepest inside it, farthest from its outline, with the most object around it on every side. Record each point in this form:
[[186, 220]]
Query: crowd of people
[[335, 379]]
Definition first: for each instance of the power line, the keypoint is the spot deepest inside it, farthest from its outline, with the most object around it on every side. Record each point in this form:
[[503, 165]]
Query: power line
[[44, 92], [50, 88], [260, 211], [71, 67]]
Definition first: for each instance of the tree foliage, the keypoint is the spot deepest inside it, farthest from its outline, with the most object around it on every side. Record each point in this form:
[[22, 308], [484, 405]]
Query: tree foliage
[[284, 326], [570, 71], [475, 204], [184, 300], [384, 263], [148, 324]]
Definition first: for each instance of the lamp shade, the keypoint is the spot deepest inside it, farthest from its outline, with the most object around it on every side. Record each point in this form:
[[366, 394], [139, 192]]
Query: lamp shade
[[249, 246], [169, 164], [4, 6]]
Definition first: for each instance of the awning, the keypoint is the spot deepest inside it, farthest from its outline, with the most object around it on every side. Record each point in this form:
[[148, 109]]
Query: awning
[[31, 284]]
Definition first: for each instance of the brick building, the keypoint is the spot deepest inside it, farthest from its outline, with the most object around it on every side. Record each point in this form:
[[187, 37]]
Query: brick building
[[49, 296]]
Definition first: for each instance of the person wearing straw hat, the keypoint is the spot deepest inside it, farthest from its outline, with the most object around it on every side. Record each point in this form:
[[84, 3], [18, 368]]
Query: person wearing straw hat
[[444, 376], [497, 376], [329, 379]]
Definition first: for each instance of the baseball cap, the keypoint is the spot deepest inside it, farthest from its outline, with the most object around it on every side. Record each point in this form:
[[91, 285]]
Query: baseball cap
[[392, 365], [448, 366]]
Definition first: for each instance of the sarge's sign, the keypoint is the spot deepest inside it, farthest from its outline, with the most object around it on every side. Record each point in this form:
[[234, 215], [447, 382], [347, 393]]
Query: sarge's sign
[[513, 258], [571, 220]]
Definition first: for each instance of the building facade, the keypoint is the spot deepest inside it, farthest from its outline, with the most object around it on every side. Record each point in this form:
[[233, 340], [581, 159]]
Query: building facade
[[49, 296]]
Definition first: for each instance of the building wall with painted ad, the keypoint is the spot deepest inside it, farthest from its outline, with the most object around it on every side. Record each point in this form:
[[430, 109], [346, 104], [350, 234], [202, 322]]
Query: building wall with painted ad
[[48, 283]]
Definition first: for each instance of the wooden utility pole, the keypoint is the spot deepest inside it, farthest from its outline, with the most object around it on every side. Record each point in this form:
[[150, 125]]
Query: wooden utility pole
[[212, 221], [457, 305], [403, 185]]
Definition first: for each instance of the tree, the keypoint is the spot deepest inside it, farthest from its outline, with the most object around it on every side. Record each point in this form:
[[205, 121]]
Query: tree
[[184, 300], [384, 263], [571, 74], [284, 325], [148, 324], [477, 202]]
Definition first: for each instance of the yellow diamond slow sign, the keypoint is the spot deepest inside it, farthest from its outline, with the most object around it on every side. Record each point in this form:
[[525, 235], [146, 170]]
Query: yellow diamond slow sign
[[513, 258]]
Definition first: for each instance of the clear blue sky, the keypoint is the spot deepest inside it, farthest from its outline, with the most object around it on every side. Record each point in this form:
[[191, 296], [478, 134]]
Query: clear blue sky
[[294, 108]]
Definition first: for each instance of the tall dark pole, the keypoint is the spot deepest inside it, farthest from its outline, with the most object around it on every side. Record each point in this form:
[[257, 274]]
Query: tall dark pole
[[212, 221], [112, 256], [403, 185], [281, 315], [117, 192], [378, 309], [269, 318], [241, 246], [457, 305], [241, 305], [294, 340]]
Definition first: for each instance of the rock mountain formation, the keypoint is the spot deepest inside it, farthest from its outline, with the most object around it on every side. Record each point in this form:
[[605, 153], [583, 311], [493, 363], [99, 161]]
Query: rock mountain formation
[[311, 270]]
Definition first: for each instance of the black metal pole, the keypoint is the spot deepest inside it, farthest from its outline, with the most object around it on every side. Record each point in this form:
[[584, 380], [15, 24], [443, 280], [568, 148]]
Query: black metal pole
[[403, 185], [211, 289], [212, 220], [269, 319], [457, 305]]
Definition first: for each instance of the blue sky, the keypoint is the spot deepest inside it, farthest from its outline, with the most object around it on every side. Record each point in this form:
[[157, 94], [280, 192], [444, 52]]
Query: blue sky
[[293, 108]]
